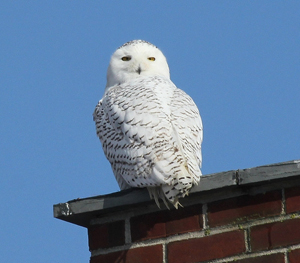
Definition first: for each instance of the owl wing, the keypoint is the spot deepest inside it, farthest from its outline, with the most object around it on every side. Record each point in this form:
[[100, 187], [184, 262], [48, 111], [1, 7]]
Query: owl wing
[[186, 118]]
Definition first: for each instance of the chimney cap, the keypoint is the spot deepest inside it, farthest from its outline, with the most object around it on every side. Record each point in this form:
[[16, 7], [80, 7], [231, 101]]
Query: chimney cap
[[212, 187]]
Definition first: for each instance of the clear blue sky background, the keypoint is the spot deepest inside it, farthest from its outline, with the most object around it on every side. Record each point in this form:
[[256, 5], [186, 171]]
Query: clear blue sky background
[[239, 60]]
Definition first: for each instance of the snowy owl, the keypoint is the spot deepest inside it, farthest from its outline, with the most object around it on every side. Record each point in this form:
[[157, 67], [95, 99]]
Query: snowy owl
[[151, 131]]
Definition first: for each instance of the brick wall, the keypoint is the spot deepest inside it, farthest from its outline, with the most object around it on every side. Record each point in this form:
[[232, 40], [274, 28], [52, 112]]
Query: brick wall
[[239, 216], [263, 227]]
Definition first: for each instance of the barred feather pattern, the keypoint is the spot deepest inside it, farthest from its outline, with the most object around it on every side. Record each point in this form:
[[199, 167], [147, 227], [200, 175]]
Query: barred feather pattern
[[151, 133]]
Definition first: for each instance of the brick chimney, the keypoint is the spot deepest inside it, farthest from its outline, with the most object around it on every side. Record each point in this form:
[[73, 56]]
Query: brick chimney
[[243, 216]]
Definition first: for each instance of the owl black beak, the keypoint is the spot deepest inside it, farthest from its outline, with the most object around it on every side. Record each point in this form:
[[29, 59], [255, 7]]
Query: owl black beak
[[139, 70]]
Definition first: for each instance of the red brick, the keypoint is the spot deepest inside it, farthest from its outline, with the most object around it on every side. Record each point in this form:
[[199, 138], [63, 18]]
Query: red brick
[[151, 254], [294, 256], [207, 248], [147, 227], [187, 219], [275, 258], [166, 223], [244, 208], [292, 199], [107, 235], [274, 235]]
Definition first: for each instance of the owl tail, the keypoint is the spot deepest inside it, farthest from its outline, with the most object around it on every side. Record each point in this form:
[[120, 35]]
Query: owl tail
[[176, 185], [169, 194], [181, 183], [156, 193]]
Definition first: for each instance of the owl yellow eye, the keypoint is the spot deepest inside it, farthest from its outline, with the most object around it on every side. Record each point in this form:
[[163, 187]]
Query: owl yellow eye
[[151, 58], [126, 58]]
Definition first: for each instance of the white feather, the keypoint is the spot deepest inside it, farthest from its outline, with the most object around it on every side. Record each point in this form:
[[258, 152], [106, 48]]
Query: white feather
[[151, 131]]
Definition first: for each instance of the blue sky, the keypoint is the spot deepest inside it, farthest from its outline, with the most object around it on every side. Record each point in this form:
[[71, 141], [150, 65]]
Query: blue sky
[[239, 60]]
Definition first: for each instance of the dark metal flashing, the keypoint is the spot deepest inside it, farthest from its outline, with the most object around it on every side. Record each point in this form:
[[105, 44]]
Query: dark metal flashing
[[212, 187]]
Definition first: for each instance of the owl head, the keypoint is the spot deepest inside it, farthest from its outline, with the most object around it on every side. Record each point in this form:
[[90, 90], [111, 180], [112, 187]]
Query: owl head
[[136, 59]]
